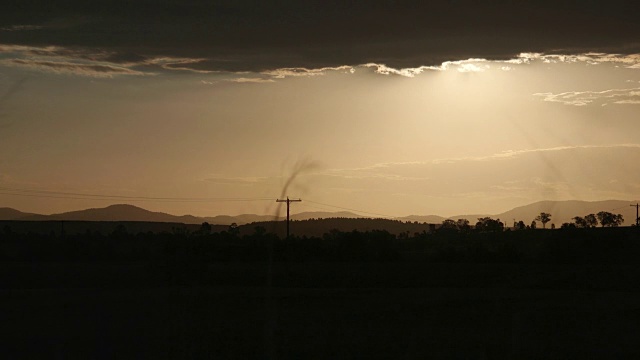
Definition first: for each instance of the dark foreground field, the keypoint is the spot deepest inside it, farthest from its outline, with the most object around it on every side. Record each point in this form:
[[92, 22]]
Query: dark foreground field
[[528, 295], [447, 311]]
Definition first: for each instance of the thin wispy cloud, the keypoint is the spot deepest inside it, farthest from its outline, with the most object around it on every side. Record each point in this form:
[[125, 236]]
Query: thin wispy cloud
[[584, 98], [171, 63], [93, 62], [304, 72], [251, 80], [561, 172], [60, 67], [244, 181], [61, 60], [505, 155], [511, 154], [627, 102]]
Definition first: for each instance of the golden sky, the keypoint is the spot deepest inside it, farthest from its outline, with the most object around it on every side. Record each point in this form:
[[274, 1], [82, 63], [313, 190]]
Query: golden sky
[[466, 136]]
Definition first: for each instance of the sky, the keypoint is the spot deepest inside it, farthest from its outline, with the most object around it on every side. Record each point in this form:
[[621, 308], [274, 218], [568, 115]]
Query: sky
[[389, 108]]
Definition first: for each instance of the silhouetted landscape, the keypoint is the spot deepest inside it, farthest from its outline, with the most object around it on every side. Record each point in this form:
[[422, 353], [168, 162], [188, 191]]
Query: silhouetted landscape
[[371, 287], [563, 211], [292, 179]]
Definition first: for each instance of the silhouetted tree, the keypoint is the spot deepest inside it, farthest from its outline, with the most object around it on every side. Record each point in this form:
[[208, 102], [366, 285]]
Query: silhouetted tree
[[463, 225], [591, 220], [234, 229], [119, 232], [449, 225], [259, 230], [489, 224], [205, 228], [534, 225], [180, 230], [568, 226], [580, 222], [609, 219], [520, 225], [544, 218]]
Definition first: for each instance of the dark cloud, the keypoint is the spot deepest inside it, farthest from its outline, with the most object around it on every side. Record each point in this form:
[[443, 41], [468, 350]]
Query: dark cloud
[[246, 35]]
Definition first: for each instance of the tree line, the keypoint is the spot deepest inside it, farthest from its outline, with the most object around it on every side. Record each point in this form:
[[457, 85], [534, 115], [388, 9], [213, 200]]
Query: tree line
[[487, 224]]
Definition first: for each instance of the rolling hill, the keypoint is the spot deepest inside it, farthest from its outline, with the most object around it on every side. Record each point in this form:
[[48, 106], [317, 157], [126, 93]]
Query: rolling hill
[[561, 211], [124, 212], [12, 214], [120, 212]]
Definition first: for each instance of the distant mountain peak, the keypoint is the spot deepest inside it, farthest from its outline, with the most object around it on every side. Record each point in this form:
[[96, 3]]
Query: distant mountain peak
[[125, 206], [7, 213]]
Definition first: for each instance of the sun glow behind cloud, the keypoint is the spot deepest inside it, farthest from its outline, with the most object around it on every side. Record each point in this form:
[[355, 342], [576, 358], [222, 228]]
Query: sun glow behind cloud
[[101, 63], [472, 135]]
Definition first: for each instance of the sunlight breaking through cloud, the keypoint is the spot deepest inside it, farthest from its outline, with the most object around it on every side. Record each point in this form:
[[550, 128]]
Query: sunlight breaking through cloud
[[250, 80], [297, 72], [104, 63], [408, 72]]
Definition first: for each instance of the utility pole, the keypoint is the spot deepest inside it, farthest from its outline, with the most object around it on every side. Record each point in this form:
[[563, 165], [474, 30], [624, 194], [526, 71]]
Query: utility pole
[[637, 217], [288, 202]]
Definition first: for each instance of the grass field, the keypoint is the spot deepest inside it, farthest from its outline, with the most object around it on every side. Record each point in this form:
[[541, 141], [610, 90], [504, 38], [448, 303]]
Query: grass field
[[323, 310]]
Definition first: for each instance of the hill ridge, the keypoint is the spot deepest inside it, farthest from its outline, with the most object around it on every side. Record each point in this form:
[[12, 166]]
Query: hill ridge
[[561, 211]]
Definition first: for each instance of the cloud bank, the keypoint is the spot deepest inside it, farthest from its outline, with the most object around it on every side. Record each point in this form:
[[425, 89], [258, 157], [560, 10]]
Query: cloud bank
[[244, 35], [95, 62]]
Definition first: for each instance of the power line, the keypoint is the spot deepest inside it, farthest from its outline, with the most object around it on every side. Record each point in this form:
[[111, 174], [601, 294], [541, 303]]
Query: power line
[[104, 197], [637, 206], [83, 196], [350, 209], [315, 207], [288, 201], [622, 207]]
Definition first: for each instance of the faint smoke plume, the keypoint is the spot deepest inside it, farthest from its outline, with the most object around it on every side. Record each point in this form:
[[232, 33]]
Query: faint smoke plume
[[301, 166]]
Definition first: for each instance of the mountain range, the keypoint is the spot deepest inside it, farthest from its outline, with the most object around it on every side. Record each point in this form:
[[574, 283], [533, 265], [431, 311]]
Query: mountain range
[[561, 211]]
